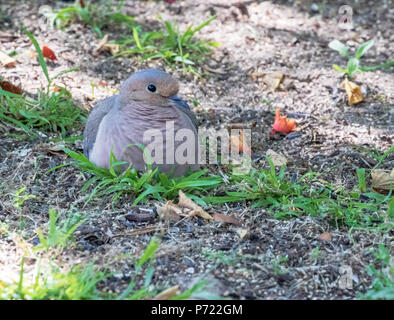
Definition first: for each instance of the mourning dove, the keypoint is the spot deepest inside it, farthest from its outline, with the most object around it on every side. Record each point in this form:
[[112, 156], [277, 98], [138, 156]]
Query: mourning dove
[[146, 112]]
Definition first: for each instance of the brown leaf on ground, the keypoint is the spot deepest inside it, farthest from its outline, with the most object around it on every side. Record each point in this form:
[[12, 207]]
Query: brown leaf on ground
[[326, 236], [169, 211], [51, 147], [105, 46], [277, 159], [6, 60], [226, 219], [101, 44], [139, 217], [382, 179], [167, 294], [353, 92], [8, 86], [185, 202], [272, 79]]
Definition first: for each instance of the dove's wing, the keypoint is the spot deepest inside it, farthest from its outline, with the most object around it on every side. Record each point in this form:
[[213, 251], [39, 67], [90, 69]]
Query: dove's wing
[[94, 121]]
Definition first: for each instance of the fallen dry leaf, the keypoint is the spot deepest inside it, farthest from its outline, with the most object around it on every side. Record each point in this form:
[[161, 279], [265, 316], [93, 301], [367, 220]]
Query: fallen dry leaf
[[326, 236], [282, 124], [353, 92], [6, 60], [382, 179], [277, 159], [105, 46], [8, 86], [112, 47], [51, 147], [167, 294], [48, 53], [103, 41], [139, 217], [243, 233], [226, 219], [136, 232], [169, 212], [273, 80], [185, 202], [238, 143]]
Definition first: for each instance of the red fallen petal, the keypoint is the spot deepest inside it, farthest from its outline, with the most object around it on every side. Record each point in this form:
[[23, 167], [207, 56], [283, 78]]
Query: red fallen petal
[[282, 124], [48, 53]]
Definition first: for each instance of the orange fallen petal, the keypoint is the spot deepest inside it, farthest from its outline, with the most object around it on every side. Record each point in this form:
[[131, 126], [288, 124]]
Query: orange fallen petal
[[48, 53], [282, 124]]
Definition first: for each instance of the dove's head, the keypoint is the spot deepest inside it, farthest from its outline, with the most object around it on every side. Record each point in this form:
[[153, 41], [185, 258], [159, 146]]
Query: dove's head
[[153, 87]]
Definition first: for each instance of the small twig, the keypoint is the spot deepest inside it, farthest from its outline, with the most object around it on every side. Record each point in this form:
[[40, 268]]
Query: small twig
[[148, 229]]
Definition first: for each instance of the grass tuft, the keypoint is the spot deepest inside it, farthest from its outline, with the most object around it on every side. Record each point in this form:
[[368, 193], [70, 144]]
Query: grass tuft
[[96, 16], [309, 195], [50, 112], [170, 45], [143, 186], [382, 271]]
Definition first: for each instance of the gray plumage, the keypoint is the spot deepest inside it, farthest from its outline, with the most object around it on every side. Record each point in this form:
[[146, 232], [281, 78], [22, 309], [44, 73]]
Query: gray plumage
[[92, 125], [118, 124]]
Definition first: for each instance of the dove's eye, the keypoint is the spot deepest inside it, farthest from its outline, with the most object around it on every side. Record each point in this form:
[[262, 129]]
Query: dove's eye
[[151, 87]]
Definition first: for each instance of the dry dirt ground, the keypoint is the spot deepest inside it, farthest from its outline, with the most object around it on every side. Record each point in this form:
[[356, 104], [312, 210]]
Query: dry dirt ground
[[256, 37]]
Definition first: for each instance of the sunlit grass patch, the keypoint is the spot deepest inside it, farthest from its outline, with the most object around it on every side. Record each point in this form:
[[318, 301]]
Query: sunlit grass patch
[[59, 234], [95, 15], [52, 112], [85, 281], [169, 45]]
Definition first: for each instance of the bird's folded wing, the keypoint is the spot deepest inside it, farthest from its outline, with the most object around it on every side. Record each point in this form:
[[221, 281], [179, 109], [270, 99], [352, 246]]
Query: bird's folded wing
[[94, 120]]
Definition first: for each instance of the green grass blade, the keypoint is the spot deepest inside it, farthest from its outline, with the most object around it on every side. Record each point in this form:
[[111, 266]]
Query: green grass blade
[[41, 58], [363, 48]]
